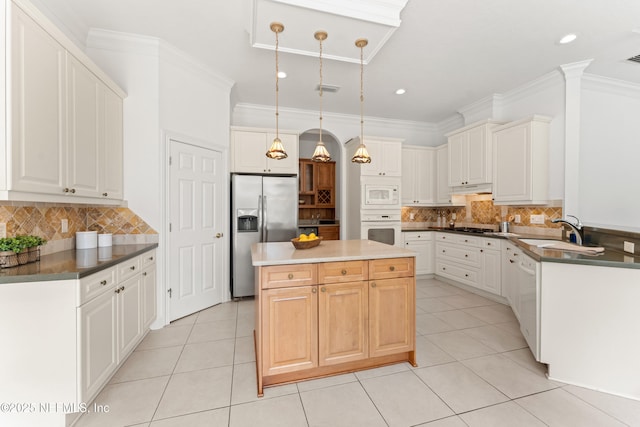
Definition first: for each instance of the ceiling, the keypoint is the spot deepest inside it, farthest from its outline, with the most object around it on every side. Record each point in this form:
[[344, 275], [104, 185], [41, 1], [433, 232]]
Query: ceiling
[[445, 53]]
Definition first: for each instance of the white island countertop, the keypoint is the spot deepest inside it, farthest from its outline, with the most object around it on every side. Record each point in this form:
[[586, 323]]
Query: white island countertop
[[281, 253]]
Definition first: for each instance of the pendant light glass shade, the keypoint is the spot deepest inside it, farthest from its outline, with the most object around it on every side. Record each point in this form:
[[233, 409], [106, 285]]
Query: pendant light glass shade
[[320, 154], [276, 151], [361, 155]]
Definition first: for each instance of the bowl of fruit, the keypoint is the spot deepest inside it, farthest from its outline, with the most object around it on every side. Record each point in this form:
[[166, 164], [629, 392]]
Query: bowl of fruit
[[306, 242]]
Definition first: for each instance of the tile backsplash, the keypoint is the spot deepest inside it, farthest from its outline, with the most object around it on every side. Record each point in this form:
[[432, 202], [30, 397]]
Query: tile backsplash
[[479, 211], [45, 220]]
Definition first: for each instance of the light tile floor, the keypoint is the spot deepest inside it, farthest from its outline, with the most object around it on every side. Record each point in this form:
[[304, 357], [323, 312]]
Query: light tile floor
[[474, 370]]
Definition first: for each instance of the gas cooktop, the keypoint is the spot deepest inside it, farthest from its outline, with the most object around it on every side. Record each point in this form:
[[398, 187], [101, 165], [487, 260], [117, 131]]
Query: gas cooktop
[[472, 230]]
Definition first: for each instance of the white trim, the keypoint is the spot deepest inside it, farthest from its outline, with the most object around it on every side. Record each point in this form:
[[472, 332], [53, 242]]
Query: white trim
[[492, 104], [386, 12], [549, 80], [609, 85]]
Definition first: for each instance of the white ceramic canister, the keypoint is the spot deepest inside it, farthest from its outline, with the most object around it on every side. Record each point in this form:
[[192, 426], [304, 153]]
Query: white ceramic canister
[[86, 239], [105, 240]]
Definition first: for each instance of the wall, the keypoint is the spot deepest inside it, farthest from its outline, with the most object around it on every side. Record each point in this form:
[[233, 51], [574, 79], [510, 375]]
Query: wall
[[609, 153], [169, 94]]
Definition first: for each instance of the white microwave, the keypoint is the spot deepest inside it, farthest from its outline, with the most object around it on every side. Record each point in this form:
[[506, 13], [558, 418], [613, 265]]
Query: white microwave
[[380, 195]]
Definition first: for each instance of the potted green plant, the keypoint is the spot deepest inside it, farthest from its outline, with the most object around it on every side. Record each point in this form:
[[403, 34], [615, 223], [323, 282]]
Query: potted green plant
[[31, 244], [10, 247]]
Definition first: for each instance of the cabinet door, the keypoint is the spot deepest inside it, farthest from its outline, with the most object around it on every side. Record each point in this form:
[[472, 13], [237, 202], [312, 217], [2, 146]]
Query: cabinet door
[[491, 266], [97, 321], [325, 183], [111, 153], [289, 329], [84, 129], [376, 167], [391, 316], [457, 154], [512, 168], [288, 165], [38, 108], [129, 316], [443, 191], [249, 150], [392, 159], [424, 163], [424, 255], [478, 156], [329, 232], [409, 177], [342, 323], [148, 296]]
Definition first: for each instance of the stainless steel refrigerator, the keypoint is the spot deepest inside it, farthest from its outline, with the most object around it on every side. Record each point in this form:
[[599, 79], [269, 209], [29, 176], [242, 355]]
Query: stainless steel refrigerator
[[263, 209]]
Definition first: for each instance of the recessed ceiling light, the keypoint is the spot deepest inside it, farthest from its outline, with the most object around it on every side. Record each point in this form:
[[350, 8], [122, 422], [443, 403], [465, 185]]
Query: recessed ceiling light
[[282, 75], [400, 92], [568, 38]]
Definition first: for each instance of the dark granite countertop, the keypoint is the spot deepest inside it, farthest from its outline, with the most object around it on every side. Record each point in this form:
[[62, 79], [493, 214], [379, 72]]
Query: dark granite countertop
[[608, 258], [73, 264]]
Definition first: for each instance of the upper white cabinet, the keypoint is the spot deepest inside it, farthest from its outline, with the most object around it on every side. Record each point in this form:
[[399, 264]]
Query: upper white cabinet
[[470, 154], [386, 156], [65, 139], [521, 162], [249, 148], [418, 173]]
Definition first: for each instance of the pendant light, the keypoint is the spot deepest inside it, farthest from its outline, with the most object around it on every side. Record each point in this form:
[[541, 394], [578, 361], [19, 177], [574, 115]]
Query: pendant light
[[276, 151], [320, 154], [361, 155]]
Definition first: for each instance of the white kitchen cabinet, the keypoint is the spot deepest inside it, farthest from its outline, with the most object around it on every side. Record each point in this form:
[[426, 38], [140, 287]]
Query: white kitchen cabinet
[[129, 315], [421, 242], [61, 120], [38, 107], [386, 156], [469, 152], [470, 260], [97, 337], [418, 173], [443, 196], [491, 266], [511, 256], [521, 162], [249, 147], [149, 293]]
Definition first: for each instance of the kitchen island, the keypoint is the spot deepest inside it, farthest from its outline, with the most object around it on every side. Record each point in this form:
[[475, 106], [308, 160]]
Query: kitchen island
[[343, 306]]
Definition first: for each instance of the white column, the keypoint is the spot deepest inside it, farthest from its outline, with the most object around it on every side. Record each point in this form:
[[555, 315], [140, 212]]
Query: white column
[[573, 81]]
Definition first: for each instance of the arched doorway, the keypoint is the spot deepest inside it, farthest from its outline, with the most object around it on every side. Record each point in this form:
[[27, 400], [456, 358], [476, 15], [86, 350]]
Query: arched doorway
[[308, 140]]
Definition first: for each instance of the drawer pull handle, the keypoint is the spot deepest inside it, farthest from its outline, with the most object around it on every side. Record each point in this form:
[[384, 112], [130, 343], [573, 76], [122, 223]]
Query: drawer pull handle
[[323, 289], [373, 284], [133, 267], [466, 275], [104, 282], [466, 241], [392, 268], [511, 261], [290, 276], [343, 272], [144, 274], [105, 194], [488, 243], [481, 250], [122, 288], [150, 258], [443, 268], [466, 255], [117, 291], [314, 290]]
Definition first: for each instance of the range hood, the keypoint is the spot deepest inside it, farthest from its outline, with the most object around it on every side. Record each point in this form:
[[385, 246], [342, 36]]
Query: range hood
[[472, 189]]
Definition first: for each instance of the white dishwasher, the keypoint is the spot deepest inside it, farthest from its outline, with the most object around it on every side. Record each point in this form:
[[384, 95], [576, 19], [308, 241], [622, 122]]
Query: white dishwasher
[[529, 290]]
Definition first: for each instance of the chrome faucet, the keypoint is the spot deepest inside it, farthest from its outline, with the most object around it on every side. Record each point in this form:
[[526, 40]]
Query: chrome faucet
[[576, 228]]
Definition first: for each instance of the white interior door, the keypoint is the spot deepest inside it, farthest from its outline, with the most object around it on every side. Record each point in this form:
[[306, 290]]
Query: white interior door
[[196, 242]]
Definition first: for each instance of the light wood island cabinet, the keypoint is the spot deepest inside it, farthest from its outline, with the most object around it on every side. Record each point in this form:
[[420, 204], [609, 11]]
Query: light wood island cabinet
[[343, 306]]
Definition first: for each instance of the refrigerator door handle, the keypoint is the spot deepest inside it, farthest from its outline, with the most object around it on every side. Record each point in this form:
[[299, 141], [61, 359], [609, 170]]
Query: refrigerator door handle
[[265, 231], [260, 219]]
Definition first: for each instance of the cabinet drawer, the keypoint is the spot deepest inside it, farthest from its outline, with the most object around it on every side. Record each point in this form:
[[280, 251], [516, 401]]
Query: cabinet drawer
[[286, 276], [148, 258], [470, 256], [96, 284], [391, 267], [418, 235], [492, 244], [459, 239], [129, 268], [463, 274], [348, 271]]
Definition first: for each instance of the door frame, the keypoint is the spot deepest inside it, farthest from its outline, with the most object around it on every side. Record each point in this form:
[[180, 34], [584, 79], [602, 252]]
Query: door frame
[[163, 250]]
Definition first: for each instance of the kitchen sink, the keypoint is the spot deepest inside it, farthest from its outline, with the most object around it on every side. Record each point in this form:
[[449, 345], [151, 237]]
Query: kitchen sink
[[541, 243]]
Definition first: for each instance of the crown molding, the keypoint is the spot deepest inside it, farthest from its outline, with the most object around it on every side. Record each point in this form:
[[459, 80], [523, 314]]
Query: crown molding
[[491, 104], [610, 85], [453, 122], [546, 81], [153, 46], [575, 69]]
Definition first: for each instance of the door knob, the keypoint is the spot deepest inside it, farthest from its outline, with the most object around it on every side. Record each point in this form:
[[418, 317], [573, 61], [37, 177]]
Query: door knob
[[218, 235]]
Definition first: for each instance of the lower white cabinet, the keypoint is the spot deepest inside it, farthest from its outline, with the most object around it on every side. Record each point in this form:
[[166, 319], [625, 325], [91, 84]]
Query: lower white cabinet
[[113, 317], [471, 260], [421, 242]]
